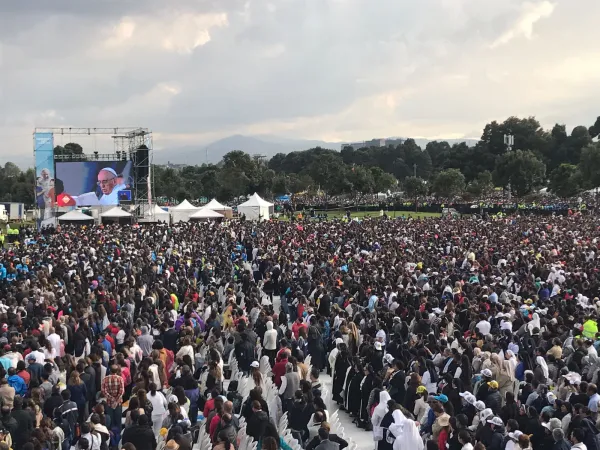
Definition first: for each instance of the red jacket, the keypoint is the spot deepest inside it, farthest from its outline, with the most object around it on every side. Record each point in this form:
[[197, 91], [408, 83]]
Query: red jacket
[[279, 371]]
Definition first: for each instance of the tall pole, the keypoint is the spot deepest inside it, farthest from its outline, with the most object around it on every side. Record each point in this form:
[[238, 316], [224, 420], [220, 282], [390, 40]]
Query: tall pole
[[415, 170], [509, 141]]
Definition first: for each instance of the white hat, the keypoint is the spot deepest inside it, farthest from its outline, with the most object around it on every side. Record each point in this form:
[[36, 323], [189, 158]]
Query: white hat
[[378, 345], [255, 364], [486, 413], [480, 405], [496, 421], [469, 398], [515, 435], [487, 373]]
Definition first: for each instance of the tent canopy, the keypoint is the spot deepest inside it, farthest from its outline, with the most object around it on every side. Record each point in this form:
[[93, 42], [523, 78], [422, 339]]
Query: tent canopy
[[256, 200], [75, 216], [215, 205], [115, 212], [206, 213], [184, 206], [157, 210]]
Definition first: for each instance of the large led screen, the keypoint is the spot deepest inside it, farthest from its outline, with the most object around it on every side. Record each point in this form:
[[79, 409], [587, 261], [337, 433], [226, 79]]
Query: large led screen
[[92, 183]]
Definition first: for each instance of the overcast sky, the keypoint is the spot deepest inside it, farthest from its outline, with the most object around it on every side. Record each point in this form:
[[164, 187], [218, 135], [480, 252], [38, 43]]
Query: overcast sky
[[337, 70]]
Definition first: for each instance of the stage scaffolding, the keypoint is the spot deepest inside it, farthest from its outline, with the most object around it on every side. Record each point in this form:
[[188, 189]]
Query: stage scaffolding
[[127, 141]]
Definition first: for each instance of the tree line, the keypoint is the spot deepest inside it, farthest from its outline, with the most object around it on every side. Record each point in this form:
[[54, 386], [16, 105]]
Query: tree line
[[566, 163]]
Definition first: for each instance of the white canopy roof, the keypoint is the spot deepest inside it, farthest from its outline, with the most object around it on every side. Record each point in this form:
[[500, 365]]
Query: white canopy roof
[[157, 210], [184, 206], [75, 216], [215, 205], [206, 213], [115, 212], [256, 200]]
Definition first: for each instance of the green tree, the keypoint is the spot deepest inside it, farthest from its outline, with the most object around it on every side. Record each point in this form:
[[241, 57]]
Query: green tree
[[281, 184], [361, 179], [590, 165], [448, 183], [326, 171], [565, 180], [301, 182], [414, 187], [485, 181], [437, 151], [594, 130], [383, 181], [522, 169]]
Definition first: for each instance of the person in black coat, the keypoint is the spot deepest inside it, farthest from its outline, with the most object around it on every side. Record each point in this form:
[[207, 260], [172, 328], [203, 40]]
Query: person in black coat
[[140, 434], [397, 382], [24, 421], [257, 421], [365, 392], [342, 362], [493, 399]]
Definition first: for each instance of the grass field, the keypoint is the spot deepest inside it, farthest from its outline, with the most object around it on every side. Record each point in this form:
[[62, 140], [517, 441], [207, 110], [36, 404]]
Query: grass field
[[340, 213]]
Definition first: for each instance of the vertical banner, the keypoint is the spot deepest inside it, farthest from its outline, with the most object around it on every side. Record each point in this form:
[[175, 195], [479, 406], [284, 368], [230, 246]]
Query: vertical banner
[[43, 147]]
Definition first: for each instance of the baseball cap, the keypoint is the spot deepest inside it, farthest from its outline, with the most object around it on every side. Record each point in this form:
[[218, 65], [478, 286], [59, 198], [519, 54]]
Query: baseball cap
[[493, 384], [421, 390], [480, 405], [254, 364]]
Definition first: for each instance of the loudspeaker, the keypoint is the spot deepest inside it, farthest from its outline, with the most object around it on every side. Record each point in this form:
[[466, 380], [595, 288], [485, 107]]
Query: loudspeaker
[[141, 163]]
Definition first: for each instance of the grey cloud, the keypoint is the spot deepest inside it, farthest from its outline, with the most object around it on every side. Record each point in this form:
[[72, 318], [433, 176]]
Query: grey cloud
[[288, 61]]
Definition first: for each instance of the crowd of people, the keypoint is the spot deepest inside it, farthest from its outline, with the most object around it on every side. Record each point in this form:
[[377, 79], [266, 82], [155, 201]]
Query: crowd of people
[[441, 334]]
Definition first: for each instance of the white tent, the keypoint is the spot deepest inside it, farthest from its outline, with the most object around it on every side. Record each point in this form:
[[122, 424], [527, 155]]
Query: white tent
[[227, 211], [205, 214], [182, 212], [255, 208], [75, 216], [215, 205], [115, 213], [158, 215]]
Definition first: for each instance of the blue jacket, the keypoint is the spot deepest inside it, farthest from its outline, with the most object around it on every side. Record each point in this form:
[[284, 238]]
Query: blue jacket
[[18, 384]]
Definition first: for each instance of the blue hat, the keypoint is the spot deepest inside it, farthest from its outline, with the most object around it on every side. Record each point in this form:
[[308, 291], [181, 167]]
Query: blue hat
[[441, 398]]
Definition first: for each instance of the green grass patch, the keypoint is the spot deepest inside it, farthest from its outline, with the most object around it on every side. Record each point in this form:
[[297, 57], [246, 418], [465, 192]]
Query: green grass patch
[[340, 213]]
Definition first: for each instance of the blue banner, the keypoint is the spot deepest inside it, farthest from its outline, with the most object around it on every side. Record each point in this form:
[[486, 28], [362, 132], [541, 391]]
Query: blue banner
[[43, 147]]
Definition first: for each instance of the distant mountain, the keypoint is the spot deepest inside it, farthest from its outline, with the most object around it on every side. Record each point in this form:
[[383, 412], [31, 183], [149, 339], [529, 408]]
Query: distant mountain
[[266, 145], [254, 145]]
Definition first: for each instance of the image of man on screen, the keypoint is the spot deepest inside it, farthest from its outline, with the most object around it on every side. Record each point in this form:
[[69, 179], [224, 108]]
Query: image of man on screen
[[108, 181], [109, 184]]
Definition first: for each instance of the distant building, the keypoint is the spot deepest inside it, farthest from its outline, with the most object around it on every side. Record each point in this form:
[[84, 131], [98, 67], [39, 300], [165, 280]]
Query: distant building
[[168, 165], [390, 142]]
